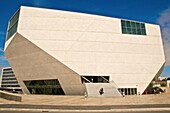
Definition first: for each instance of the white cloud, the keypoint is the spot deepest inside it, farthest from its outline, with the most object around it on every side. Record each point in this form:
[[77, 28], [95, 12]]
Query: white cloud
[[39, 2], [167, 53], [3, 58], [164, 21], [1, 50]]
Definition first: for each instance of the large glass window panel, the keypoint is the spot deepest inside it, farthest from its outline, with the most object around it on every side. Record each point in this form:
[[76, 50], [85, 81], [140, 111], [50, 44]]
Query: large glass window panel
[[138, 25], [128, 24], [12, 30], [143, 26], [14, 19], [49, 87], [134, 31], [123, 30], [143, 31], [138, 31], [130, 27], [123, 23], [133, 24], [13, 24], [129, 30]]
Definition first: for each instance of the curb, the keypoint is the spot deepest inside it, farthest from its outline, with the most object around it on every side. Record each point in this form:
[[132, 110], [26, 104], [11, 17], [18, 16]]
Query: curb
[[111, 110]]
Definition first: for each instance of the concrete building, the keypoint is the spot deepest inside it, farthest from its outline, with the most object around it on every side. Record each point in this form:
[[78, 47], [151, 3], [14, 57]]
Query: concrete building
[[62, 52], [8, 81]]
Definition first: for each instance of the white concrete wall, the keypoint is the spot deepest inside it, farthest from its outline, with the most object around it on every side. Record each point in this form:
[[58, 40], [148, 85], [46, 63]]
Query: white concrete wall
[[108, 88], [90, 44], [29, 62]]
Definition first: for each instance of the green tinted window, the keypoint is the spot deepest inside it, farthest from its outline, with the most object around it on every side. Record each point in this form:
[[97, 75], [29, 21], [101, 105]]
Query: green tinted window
[[124, 30], [130, 27], [128, 23], [133, 24], [12, 30], [13, 24], [138, 31], [143, 31], [138, 25], [133, 30], [123, 24], [129, 30], [143, 26], [14, 19]]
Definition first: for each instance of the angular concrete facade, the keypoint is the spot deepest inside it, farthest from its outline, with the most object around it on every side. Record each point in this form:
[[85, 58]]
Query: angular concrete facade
[[53, 44]]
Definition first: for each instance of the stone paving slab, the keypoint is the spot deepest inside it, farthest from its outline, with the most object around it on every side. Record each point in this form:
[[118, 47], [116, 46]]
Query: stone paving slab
[[82, 101]]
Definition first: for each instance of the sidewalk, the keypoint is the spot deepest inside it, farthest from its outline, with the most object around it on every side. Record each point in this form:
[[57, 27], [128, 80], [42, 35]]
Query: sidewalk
[[51, 103], [82, 101]]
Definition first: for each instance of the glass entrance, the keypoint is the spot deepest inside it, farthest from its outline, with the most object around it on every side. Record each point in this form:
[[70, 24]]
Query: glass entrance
[[128, 91]]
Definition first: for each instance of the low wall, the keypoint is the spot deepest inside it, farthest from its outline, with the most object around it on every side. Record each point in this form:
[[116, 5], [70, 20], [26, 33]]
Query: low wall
[[10, 96]]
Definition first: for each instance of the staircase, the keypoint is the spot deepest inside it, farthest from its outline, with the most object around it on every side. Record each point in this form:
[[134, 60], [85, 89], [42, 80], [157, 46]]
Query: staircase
[[109, 89]]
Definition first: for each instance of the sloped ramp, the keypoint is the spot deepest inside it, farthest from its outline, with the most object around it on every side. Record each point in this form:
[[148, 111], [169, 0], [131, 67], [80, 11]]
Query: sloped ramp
[[109, 90]]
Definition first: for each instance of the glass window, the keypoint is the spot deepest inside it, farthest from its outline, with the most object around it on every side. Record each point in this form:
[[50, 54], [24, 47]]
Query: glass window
[[134, 31], [123, 30], [13, 24], [130, 27], [49, 87], [129, 30], [133, 24], [12, 30], [14, 19], [128, 23], [138, 25], [143, 26], [128, 91], [143, 31], [123, 23], [138, 31], [95, 79]]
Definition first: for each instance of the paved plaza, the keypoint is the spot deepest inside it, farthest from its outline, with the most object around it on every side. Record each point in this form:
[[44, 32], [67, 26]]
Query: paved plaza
[[82, 101], [51, 103]]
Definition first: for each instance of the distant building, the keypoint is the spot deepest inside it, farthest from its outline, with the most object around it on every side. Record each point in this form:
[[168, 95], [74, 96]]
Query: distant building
[[168, 82], [61, 52], [8, 81], [161, 78]]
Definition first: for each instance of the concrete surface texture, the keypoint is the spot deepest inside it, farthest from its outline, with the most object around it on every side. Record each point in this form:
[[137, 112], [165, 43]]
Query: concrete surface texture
[[81, 101], [108, 89], [10, 96]]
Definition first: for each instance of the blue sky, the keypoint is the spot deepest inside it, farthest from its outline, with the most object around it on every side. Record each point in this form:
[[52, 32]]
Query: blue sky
[[151, 11]]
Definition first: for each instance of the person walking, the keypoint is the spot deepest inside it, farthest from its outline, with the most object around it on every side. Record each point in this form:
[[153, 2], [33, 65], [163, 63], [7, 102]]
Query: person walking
[[101, 91]]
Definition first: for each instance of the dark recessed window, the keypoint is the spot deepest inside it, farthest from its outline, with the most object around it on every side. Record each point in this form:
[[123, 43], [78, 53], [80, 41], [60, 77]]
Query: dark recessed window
[[13, 24], [95, 79], [128, 24], [49, 87], [131, 27]]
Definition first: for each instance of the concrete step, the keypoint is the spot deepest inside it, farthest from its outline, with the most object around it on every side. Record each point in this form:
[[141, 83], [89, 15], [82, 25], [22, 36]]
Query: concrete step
[[109, 90]]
